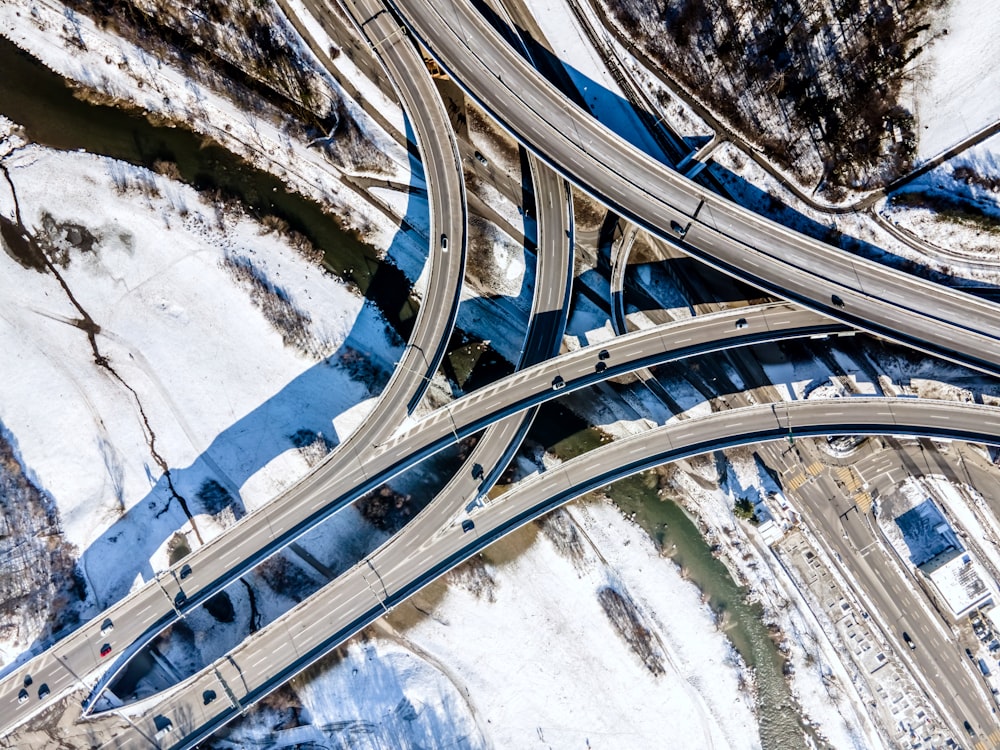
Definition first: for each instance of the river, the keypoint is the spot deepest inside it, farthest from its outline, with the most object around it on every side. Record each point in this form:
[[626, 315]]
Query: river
[[678, 536], [39, 100]]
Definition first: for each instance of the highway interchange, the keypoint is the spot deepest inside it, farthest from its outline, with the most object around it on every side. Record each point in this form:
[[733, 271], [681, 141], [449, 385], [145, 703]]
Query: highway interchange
[[871, 297]]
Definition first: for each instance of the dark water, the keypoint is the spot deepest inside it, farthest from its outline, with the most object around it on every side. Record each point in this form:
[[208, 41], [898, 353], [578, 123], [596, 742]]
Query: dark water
[[564, 434], [39, 100]]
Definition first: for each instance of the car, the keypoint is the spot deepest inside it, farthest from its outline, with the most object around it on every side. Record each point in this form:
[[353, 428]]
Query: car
[[43, 692], [185, 571], [558, 383], [468, 525], [678, 228], [604, 354], [481, 159], [444, 242], [477, 471], [208, 696], [969, 729], [600, 367], [741, 324], [181, 599], [909, 641], [105, 650], [837, 301], [107, 626], [22, 696], [27, 680]]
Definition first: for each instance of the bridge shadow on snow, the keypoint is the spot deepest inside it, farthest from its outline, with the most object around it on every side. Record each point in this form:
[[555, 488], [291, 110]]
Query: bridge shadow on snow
[[299, 413], [610, 108]]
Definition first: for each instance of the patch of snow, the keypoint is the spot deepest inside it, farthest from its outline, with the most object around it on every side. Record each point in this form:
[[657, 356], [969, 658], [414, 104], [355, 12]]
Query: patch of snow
[[217, 384], [956, 87], [379, 696], [585, 67], [547, 603]]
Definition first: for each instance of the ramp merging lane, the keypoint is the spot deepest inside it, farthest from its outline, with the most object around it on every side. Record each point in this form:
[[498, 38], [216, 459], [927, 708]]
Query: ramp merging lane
[[75, 659], [783, 262], [418, 364], [779, 260], [414, 558]]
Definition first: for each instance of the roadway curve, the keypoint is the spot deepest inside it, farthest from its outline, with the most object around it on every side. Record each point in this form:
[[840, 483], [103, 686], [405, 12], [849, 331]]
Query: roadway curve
[[779, 260], [207, 570], [415, 558], [448, 217], [549, 309], [431, 332]]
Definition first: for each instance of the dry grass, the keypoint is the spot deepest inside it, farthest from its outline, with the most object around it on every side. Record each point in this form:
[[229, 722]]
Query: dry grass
[[814, 82], [474, 576], [274, 302], [39, 581], [627, 620]]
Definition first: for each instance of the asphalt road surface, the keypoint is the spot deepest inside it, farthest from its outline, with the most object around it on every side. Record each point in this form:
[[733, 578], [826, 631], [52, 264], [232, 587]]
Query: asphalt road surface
[[75, 659], [783, 262], [419, 554], [895, 602]]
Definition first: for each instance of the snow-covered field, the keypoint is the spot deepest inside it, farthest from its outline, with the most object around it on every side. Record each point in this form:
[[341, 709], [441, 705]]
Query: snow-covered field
[[379, 696], [565, 678], [958, 76], [515, 650], [193, 358], [971, 179]]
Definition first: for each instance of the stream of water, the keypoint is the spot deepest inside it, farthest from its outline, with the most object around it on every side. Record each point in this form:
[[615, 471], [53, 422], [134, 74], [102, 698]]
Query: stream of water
[[39, 100], [678, 536]]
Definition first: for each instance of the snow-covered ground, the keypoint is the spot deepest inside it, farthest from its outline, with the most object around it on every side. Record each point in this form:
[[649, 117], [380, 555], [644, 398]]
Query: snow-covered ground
[[379, 696], [958, 76], [183, 324], [598, 88], [971, 179], [565, 677], [127, 74], [756, 189]]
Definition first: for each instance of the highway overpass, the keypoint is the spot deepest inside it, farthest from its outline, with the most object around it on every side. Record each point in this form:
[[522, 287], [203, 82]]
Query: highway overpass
[[207, 570], [779, 260], [415, 557]]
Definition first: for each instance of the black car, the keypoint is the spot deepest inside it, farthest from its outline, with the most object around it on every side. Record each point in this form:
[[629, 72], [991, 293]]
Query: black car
[[837, 301], [909, 641]]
